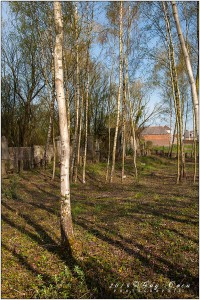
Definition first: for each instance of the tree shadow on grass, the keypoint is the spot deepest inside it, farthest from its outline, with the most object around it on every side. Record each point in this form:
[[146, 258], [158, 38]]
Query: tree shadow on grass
[[181, 234], [96, 284], [95, 272], [173, 271], [52, 195], [147, 209], [24, 262], [49, 204]]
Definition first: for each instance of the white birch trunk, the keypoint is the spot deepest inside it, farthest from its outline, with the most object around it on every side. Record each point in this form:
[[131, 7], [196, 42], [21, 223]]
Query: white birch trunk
[[123, 129], [87, 93], [174, 79], [66, 220], [86, 118], [54, 154], [77, 161], [119, 91], [134, 140], [188, 65], [109, 102], [74, 151], [49, 132]]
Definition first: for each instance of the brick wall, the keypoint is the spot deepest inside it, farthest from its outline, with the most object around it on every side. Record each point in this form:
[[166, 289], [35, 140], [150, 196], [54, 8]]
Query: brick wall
[[158, 140]]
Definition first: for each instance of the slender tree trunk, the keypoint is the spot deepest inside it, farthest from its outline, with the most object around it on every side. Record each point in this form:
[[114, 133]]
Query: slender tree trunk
[[49, 132], [173, 140], [109, 102], [170, 126], [197, 75], [188, 65], [119, 91], [134, 140], [80, 129], [44, 162], [77, 161], [186, 116], [86, 127], [87, 91], [54, 153], [128, 95], [195, 148], [178, 155], [53, 131], [123, 129], [86, 116], [68, 111], [67, 94], [175, 88], [77, 100], [51, 94], [197, 87], [67, 235]]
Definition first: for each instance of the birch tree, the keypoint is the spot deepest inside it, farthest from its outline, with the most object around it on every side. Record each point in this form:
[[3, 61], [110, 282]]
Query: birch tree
[[188, 65], [89, 29], [128, 92], [67, 235], [119, 89], [77, 97], [176, 94]]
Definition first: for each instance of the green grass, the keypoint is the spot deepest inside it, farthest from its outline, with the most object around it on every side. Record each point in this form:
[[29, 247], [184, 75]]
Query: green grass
[[187, 147], [96, 169], [127, 235]]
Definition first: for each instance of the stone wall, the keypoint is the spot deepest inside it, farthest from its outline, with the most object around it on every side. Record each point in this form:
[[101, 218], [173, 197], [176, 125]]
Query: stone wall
[[16, 159], [4, 156], [21, 158]]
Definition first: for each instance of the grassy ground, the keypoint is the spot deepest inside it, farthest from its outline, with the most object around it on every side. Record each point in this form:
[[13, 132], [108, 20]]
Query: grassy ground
[[188, 148], [134, 240]]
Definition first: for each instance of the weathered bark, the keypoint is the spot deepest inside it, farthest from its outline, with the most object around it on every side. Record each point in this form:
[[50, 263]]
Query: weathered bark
[[119, 90], [188, 65], [67, 235]]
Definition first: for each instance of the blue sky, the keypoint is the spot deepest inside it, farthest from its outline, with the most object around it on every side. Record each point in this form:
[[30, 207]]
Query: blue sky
[[154, 96]]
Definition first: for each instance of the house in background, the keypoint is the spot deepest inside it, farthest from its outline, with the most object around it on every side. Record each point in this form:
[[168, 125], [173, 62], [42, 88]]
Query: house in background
[[158, 135], [189, 137]]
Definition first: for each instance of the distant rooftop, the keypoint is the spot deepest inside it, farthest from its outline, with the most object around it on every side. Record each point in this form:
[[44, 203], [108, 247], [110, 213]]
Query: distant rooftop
[[155, 130]]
